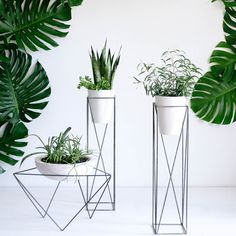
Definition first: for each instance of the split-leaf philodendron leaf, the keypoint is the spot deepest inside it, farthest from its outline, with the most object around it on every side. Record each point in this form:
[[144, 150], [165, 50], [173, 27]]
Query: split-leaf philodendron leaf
[[214, 95], [11, 142], [23, 88], [31, 24]]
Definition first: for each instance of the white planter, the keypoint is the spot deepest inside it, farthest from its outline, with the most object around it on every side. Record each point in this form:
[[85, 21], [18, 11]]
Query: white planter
[[102, 107], [171, 117], [84, 168]]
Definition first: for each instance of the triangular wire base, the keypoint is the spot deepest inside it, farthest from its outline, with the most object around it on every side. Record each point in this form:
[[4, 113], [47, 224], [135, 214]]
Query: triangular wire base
[[44, 211]]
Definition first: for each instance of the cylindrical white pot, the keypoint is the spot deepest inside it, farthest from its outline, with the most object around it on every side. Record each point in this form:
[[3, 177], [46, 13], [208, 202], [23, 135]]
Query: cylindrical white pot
[[171, 113], [49, 169], [101, 104]]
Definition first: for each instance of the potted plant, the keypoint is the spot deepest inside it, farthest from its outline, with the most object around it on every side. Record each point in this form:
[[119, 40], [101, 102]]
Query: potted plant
[[170, 84], [99, 87], [61, 156]]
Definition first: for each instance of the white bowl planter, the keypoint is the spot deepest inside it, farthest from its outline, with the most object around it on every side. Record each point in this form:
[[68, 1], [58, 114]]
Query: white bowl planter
[[172, 116], [102, 107], [83, 168]]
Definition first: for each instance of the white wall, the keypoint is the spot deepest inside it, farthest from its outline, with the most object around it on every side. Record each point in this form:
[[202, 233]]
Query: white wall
[[144, 29]]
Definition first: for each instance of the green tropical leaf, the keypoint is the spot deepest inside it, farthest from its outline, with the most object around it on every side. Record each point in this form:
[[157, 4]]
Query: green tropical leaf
[[213, 100], [10, 143], [23, 88], [31, 24], [223, 61], [230, 24], [73, 3]]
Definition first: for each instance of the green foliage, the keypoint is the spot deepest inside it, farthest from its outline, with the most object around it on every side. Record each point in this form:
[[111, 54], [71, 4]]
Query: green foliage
[[176, 77], [104, 67], [214, 95], [62, 149], [10, 143], [23, 88], [31, 23]]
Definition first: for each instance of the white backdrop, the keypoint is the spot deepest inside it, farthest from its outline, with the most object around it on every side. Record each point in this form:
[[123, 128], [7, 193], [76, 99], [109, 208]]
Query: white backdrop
[[144, 29]]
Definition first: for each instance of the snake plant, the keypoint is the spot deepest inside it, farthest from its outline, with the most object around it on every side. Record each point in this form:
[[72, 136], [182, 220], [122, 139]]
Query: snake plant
[[104, 67]]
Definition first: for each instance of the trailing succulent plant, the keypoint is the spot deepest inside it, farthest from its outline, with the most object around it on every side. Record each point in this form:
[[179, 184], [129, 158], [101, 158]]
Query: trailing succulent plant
[[104, 67], [25, 25], [176, 77], [214, 95], [61, 149]]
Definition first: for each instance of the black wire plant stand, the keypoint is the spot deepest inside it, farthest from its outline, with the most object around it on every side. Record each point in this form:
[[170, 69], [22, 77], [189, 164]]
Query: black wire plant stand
[[108, 203], [80, 181], [170, 208]]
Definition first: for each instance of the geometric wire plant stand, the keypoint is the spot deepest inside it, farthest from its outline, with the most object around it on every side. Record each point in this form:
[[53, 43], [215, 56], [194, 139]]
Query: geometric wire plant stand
[[80, 181], [107, 204], [170, 203]]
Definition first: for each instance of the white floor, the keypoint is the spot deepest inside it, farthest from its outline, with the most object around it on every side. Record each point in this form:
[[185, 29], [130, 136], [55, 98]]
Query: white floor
[[212, 212]]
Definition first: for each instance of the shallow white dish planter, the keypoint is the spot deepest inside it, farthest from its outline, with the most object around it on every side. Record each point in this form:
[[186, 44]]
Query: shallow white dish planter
[[102, 107], [83, 168], [171, 113]]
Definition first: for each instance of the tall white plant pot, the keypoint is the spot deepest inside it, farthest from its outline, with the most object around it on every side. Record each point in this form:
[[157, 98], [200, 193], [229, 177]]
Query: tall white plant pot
[[171, 113], [101, 105]]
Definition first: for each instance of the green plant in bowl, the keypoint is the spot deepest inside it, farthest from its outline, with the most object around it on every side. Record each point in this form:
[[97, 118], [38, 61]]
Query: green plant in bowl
[[62, 155]]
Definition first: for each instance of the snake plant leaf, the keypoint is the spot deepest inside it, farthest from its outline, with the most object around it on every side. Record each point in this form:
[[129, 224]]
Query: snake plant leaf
[[11, 142], [32, 23], [213, 100], [24, 86], [223, 61]]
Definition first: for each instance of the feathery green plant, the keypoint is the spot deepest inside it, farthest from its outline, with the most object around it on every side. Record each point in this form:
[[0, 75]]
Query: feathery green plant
[[62, 149], [176, 77]]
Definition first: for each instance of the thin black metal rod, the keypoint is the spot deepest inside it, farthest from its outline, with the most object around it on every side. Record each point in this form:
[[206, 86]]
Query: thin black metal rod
[[114, 154], [95, 208], [153, 160], [168, 186], [187, 168], [34, 202], [28, 195], [171, 180], [52, 199], [85, 200]]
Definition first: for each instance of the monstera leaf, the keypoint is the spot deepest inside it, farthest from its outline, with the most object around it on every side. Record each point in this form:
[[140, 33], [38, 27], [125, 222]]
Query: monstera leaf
[[223, 61], [23, 88], [230, 23], [73, 3], [10, 142], [214, 95], [213, 100], [31, 24]]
